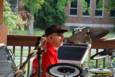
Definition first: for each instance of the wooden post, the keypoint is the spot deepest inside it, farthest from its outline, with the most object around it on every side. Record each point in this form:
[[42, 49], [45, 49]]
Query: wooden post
[[1, 11], [3, 28], [3, 34]]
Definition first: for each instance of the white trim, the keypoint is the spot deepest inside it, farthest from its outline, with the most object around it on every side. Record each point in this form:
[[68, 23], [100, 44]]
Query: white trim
[[90, 25], [2, 44], [73, 15]]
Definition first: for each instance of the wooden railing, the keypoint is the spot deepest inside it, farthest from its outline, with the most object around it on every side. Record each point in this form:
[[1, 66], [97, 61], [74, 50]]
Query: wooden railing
[[30, 41], [22, 42], [103, 44]]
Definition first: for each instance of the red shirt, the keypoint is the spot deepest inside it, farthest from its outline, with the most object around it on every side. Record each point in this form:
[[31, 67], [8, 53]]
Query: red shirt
[[49, 57]]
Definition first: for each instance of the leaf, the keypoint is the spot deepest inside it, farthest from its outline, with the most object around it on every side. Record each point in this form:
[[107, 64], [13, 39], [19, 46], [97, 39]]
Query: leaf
[[12, 19]]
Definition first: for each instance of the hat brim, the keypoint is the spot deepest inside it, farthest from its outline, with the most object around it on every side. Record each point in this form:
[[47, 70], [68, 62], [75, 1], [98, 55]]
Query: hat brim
[[61, 31]]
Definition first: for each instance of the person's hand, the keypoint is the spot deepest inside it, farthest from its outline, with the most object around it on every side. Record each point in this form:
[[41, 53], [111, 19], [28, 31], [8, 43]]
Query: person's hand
[[19, 73]]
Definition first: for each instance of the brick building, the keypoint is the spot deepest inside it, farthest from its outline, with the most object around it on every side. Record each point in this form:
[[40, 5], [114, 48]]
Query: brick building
[[94, 13]]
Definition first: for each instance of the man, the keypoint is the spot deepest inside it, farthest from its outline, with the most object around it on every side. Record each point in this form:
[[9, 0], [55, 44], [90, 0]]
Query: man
[[53, 40]]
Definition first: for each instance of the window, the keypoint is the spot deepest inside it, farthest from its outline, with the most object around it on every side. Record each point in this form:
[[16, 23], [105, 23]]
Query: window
[[112, 13], [86, 7], [99, 8], [73, 7], [112, 8], [14, 4]]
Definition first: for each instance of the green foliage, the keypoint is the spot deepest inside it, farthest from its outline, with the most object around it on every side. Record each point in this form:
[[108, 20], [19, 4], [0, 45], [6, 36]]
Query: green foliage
[[11, 19], [52, 12], [61, 4], [86, 6], [33, 5], [100, 5], [112, 4]]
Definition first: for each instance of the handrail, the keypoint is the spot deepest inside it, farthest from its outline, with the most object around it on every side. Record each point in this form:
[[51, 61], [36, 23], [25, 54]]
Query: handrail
[[101, 43], [19, 40]]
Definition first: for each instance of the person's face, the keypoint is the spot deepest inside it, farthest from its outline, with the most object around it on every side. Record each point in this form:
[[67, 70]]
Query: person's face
[[56, 39]]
